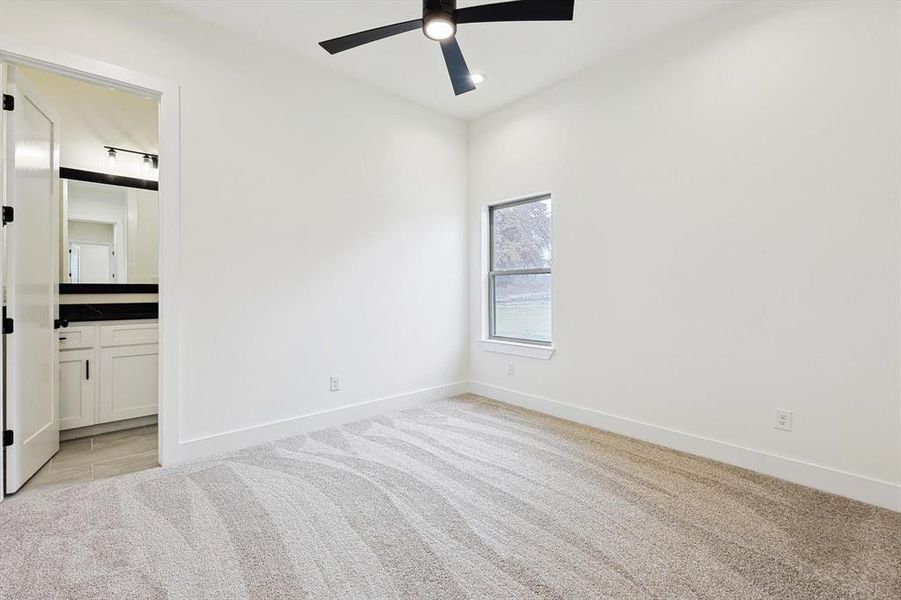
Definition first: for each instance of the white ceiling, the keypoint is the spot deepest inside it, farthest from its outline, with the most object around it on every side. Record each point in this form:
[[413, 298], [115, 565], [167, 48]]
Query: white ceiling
[[517, 58]]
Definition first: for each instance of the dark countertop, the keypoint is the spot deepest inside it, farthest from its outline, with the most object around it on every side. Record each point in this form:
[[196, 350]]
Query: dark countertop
[[109, 288], [109, 312]]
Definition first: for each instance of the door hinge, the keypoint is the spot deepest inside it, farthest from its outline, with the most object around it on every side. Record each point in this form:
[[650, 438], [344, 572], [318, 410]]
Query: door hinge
[[8, 323], [9, 102], [9, 214], [8, 437]]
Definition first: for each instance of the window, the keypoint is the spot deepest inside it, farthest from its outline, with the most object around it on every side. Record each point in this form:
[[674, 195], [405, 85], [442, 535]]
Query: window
[[519, 275]]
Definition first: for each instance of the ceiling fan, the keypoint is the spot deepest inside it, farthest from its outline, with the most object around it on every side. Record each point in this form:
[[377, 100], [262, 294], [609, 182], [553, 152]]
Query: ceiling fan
[[439, 22]]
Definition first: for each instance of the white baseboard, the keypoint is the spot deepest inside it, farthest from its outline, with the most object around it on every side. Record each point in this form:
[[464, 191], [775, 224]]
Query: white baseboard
[[267, 432], [849, 485]]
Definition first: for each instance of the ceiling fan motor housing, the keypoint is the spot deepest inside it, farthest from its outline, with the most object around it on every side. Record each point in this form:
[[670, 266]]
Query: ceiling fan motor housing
[[430, 7], [438, 19]]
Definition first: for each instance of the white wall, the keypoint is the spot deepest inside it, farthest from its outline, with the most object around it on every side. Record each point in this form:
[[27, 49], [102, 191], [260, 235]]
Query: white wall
[[726, 234], [318, 237], [93, 116], [143, 236]]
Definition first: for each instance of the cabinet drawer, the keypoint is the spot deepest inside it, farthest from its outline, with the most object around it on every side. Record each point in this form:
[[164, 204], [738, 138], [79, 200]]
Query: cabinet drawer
[[126, 334], [71, 338]]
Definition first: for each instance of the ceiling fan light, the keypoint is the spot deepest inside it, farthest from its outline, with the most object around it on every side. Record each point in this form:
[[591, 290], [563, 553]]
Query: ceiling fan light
[[439, 28], [477, 78]]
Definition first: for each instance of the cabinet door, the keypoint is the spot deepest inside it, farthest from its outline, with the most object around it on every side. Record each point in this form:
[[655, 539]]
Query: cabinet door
[[129, 382], [77, 392]]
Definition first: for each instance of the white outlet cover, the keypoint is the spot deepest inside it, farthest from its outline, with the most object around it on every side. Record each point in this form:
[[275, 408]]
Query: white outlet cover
[[511, 368], [334, 383], [783, 420]]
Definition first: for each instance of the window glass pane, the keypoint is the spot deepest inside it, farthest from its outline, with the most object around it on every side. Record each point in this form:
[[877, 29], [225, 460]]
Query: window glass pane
[[522, 307], [521, 236]]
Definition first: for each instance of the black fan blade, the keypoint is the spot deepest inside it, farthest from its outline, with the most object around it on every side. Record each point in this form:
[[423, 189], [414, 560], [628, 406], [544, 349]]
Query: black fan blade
[[456, 66], [520, 10], [371, 35]]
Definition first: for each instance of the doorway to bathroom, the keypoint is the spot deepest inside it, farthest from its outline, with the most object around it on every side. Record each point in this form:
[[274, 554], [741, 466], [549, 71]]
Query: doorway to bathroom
[[82, 271]]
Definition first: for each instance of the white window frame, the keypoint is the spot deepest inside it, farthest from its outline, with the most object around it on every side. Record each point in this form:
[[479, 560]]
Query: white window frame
[[507, 345]]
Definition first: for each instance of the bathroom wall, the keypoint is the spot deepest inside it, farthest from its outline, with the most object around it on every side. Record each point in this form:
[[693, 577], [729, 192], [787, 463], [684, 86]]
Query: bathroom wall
[[93, 116]]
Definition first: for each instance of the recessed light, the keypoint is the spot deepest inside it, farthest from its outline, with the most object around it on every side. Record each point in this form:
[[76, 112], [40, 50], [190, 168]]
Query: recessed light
[[477, 78]]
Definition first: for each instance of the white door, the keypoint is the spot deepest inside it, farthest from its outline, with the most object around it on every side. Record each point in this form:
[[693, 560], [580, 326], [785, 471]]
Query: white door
[[4, 127], [77, 388], [95, 262], [32, 246], [129, 382]]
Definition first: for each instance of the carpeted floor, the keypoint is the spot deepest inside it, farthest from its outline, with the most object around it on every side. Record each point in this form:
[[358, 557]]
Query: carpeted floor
[[459, 498]]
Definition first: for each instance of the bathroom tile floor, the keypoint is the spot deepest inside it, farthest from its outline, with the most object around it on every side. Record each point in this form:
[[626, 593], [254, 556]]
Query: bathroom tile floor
[[97, 457]]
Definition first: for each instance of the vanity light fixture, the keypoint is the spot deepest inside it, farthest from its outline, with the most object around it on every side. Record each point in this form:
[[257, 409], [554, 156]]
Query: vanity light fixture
[[151, 161]]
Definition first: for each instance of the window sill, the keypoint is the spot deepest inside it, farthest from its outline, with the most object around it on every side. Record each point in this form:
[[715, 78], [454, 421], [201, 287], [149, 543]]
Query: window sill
[[517, 349]]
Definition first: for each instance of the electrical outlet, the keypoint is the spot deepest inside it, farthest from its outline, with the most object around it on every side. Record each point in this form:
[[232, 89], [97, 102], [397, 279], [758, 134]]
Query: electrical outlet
[[334, 383], [783, 419], [511, 368]]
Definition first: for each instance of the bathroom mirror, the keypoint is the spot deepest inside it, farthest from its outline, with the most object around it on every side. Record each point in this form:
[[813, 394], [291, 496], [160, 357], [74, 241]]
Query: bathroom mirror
[[109, 230]]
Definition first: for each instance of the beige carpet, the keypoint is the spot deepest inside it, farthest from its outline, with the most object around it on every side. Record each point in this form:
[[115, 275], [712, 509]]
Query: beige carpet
[[459, 498]]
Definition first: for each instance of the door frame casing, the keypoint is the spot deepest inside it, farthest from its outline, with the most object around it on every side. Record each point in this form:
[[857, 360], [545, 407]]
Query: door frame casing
[[19, 52]]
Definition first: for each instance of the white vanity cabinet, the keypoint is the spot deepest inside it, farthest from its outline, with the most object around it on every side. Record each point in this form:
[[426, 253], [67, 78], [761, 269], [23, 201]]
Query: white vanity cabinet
[[77, 388], [109, 371]]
